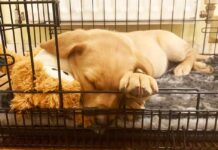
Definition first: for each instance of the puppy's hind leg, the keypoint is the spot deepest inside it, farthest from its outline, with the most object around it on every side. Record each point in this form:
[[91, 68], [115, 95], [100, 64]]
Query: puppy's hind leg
[[185, 67]]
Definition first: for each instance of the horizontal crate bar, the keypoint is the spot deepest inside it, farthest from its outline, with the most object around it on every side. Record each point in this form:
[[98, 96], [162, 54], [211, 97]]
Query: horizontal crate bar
[[29, 2], [29, 25], [104, 91], [112, 111], [131, 22]]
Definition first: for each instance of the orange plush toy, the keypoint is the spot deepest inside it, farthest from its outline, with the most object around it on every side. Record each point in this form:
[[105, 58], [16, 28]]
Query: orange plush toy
[[45, 80]]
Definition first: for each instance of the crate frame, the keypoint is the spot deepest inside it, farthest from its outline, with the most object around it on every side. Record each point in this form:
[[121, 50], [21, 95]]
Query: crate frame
[[101, 137]]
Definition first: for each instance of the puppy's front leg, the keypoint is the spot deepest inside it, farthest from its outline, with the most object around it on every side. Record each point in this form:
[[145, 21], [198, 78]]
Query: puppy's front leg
[[138, 86]]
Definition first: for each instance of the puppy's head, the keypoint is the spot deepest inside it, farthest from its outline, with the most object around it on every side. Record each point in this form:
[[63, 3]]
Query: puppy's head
[[100, 67]]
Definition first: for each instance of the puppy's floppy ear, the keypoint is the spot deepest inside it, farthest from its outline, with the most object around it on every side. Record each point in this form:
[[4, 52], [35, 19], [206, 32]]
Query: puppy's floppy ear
[[67, 43], [75, 49]]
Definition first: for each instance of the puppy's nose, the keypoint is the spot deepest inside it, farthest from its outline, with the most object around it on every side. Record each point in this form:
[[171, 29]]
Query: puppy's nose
[[102, 120]]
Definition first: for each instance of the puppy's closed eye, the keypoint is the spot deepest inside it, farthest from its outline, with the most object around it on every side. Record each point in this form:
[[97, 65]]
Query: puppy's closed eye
[[66, 73], [54, 69]]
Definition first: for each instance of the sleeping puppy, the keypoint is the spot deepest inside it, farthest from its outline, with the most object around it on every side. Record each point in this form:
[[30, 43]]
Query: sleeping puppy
[[130, 62]]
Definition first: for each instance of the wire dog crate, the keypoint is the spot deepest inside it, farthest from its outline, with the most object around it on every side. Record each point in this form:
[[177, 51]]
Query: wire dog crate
[[25, 24]]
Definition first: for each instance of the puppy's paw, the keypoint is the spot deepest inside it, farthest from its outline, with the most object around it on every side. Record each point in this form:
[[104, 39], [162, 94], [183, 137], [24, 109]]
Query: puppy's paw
[[182, 70], [138, 85], [202, 67]]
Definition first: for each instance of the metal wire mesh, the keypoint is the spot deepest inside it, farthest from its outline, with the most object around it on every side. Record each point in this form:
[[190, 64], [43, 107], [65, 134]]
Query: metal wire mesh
[[151, 128]]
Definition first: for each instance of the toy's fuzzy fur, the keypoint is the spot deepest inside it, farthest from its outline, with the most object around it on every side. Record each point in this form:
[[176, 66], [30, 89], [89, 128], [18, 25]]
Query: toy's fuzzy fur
[[21, 76], [22, 80]]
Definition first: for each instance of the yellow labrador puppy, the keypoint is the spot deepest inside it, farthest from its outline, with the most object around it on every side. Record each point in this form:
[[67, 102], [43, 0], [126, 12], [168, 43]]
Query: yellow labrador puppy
[[107, 60]]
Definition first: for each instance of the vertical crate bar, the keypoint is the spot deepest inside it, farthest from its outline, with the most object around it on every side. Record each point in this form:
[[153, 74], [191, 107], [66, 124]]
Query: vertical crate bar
[[54, 6]]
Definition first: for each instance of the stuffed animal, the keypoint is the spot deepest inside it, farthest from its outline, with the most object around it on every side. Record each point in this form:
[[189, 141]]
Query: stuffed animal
[[45, 80]]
